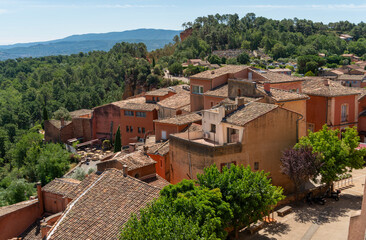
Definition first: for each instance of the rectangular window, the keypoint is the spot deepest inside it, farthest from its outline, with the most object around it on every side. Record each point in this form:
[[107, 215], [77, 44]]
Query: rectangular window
[[213, 128], [128, 113], [131, 129], [344, 113], [197, 89], [256, 165], [127, 129], [140, 114], [153, 99], [143, 130], [311, 127], [157, 99], [139, 130]]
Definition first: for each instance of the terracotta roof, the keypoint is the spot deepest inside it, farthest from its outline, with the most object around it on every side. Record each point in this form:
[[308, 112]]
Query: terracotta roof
[[280, 95], [102, 209], [273, 77], [362, 92], [181, 119], [159, 148], [317, 87], [14, 207], [186, 108], [337, 71], [276, 70], [135, 160], [164, 91], [80, 112], [61, 186], [220, 91], [157, 181], [210, 74], [249, 112], [351, 77], [57, 123], [194, 127], [87, 182], [33, 232], [135, 104], [177, 101]]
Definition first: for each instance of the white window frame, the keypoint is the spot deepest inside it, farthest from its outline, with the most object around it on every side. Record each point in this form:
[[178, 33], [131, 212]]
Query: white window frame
[[200, 89], [344, 113]]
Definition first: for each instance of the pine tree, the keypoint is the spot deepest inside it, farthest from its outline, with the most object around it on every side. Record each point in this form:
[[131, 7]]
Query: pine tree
[[117, 141], [153, 62]]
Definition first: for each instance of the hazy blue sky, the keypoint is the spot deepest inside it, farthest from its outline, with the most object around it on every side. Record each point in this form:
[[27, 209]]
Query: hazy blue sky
[[40, 20]]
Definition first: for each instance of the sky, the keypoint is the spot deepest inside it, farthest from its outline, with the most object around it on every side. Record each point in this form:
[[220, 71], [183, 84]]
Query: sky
[[41, 20]]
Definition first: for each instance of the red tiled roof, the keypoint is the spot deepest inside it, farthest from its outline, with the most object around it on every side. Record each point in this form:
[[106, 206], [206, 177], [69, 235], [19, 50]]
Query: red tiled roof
[[61, 186], [101, 210]]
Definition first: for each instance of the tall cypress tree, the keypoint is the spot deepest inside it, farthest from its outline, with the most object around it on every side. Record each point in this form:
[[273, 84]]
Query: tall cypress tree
[[117, 141]]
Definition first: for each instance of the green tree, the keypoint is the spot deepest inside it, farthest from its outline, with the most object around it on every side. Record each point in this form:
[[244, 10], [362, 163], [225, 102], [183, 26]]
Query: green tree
[[214, 59], [309, 74], [183, 211], [243, 58], [250, 194], [337, 155], [117, 141], [19, 190], [62, 113], [175, 69]]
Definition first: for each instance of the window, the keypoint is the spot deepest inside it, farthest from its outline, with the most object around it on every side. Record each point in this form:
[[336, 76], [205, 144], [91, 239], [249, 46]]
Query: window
[[213, 128], [344, 113], [157, 99], [163, 135], [256, 165], [140, 114], [154, 99], [232, 135], [143, 130], [127, 129], [197, 89], [211, 104], [128, 113], [131, 129], [139, 130], [311, 127], [222, 165], [239, 92]]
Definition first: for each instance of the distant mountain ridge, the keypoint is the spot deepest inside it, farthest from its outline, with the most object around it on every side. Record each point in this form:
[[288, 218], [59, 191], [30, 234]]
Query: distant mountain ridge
[[153, 39]]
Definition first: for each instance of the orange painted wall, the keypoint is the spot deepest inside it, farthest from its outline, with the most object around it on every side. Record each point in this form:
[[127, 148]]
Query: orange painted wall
[[350, 100], [14, 223], [316, 111], [210, 101], [103, 116], [136, 122], [53, 203], [169, 128], [162, 165]]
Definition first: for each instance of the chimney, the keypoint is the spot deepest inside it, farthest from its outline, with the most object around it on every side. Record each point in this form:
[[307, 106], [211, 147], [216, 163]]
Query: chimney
[[124, 170], [326, 82], [62, 122], [239, 101], [40, 198], [267, 87], [145, 149], [132, 147]]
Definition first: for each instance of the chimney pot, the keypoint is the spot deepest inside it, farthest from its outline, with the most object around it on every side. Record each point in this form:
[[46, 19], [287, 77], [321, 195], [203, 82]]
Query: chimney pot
[[125, 171]]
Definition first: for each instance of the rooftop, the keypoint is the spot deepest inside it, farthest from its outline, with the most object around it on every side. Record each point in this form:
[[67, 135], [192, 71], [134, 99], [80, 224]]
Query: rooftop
[[164, 91], [318, 87], [177, 101], [103, 208], [210, 74], [351, 77], [279, 70], [273, 77], [220, 91], [134, 160], [61, 186], [280, 95], [14, 207], [249, 112], [80, 113], [159, 148], [135, 104], [181, 119], [57, 123]]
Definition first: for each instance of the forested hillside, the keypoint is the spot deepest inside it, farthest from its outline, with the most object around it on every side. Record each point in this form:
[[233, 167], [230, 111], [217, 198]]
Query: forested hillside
[[33, 87], [279, 38]]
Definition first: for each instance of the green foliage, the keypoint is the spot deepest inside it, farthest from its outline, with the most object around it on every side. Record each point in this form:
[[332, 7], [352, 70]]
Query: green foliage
[[191, 70], [338, 156], [214, 59], [62, 113], [309, 63], [175, 69], [18, 190], [250, 194], [79, 174], [183, 211], [309, 74], [243, 58], [117, 141]]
